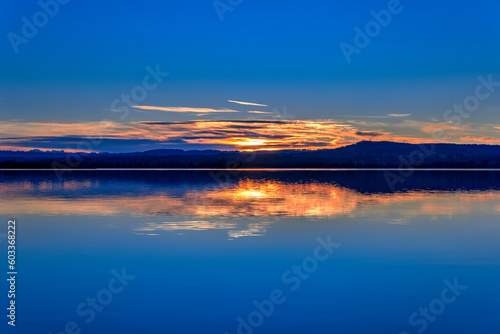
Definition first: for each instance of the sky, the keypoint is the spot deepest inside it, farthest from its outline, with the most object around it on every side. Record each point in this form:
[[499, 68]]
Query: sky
[[119, 76]]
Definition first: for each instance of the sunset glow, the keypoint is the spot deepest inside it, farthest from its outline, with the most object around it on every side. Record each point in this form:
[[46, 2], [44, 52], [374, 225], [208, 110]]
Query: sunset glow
[[251, 142], [244, 135]]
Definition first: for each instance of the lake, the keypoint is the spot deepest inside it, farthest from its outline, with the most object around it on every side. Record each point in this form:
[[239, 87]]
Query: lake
[[253, 252]]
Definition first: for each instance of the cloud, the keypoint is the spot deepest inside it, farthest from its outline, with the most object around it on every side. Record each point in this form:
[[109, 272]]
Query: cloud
[[398, 115], [248, 134], [364, 116], [81, 144], [377, 116], [483, 140], [367, 124], [91, 129], [209, 134], [438, 127], [248, 103], [186, 109], [370, 133], [259, 112]]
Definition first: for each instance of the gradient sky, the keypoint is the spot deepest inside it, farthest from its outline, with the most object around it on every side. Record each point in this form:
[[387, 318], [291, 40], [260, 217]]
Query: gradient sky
[[62, 89]]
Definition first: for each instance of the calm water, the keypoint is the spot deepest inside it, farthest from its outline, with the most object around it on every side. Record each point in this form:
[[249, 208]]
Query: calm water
[[265, 252]]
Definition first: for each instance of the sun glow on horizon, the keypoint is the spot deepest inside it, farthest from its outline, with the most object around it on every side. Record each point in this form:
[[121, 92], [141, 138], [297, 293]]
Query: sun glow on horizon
[[243, 135], [250, 142]]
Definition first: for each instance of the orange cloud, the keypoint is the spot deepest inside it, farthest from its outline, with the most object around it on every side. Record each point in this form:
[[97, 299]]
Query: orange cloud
[[257, 134], [439, 127], [32, 129], [483, 140]]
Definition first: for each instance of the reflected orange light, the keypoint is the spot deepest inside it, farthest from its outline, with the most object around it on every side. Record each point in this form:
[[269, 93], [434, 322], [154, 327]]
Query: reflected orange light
[[217, 207]]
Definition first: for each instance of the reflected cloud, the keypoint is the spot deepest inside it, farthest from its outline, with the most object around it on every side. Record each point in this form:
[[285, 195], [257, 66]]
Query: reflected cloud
[[246, 208], [254, 230], [193, 225], [233, 228]]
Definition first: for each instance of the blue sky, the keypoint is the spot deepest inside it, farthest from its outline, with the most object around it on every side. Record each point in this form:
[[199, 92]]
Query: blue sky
[[280, 53]]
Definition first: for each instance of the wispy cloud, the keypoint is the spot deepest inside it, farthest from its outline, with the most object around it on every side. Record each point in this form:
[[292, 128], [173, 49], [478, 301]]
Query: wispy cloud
[[398, 115], [371, 133], [248, 103], [439, 127], [364, 116], [482, 140], [249, 134], [377, 116], [186, 109], [259, 112]]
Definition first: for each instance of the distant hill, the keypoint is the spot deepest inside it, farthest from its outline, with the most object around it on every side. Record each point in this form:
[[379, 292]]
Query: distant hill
[[364, 154]]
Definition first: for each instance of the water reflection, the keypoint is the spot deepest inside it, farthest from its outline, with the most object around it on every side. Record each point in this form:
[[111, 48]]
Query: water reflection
[[203, 251], [249, 206]]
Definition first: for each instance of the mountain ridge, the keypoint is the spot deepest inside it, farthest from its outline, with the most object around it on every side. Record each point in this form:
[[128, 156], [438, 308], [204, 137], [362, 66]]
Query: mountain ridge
[[364, 154]]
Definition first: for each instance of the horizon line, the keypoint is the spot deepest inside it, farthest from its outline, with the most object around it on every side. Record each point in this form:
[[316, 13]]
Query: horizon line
[[250, 169]]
